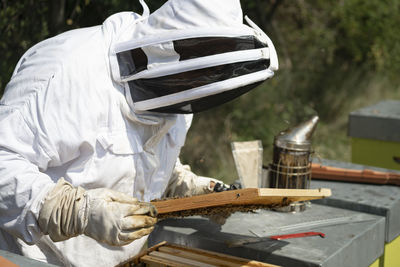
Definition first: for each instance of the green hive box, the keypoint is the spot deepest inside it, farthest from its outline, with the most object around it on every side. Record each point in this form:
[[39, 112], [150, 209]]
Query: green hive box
[[375, 135]]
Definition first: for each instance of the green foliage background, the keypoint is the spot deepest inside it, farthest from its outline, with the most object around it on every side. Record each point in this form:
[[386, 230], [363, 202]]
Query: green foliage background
[[335, 57]]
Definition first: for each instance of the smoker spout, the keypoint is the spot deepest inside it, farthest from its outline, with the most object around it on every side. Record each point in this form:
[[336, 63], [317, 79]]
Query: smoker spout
[[298, 137]]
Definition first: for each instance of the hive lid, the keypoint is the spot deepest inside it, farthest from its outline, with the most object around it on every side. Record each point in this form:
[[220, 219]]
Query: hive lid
[[380, 121]]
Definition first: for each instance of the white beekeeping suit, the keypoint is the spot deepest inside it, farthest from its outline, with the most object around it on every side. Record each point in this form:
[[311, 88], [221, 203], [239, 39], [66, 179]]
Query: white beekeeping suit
[[81, 122]]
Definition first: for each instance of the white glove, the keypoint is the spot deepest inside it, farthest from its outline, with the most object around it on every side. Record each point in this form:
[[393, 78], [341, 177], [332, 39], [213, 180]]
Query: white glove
[[106, 215], [184, 183]]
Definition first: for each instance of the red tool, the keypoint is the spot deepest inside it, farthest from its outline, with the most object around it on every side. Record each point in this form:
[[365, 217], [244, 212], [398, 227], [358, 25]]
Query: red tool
[[279, 237]]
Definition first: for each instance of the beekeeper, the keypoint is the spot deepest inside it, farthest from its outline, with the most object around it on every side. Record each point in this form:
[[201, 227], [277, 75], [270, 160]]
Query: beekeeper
[[92, 122]]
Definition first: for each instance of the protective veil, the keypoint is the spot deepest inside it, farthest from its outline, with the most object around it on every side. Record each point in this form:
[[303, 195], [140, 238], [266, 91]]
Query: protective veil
[[69, 112], [185, 60]]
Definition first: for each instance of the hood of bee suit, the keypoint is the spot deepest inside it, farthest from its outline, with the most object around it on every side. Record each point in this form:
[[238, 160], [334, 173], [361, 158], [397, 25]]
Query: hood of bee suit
[[189, 56]]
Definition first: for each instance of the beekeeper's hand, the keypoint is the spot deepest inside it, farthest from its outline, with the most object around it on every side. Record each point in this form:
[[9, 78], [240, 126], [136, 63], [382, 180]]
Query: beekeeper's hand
[[106, 215], [184, 183]]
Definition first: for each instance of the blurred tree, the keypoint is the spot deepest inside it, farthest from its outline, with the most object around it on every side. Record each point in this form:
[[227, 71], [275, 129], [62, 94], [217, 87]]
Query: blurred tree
[[24, 23], [20, 28]]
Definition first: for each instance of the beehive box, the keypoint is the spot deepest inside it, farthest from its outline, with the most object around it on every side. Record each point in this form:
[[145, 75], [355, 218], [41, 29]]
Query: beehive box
[[375, 135]]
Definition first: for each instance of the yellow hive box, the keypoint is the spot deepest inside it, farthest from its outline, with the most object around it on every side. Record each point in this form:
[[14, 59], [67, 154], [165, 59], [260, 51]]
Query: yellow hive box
[[375, 141]]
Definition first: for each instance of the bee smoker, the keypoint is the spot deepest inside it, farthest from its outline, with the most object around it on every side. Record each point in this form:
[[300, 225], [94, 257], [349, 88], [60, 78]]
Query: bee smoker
[[291, 166]]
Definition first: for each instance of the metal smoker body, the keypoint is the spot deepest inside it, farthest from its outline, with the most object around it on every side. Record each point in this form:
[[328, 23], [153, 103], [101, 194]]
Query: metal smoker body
[[291, 166]]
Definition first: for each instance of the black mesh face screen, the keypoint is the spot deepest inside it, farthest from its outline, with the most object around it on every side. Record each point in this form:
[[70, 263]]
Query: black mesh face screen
[[208, 102], [135, 60], [132, 61], [144, 89], [207, 46]]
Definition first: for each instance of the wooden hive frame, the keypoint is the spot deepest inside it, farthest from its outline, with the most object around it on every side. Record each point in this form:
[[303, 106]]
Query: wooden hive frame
[[250, 198], [167, 254]]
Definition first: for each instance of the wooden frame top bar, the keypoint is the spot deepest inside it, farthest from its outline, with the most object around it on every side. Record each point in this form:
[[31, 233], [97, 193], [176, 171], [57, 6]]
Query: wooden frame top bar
[[249, 196]]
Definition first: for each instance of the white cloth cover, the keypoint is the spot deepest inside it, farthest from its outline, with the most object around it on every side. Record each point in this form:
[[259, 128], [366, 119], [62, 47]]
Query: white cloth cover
[[64, 114]]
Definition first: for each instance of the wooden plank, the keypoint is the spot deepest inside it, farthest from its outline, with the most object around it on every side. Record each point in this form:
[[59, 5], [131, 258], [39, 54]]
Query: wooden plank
[[155, 261], [319, 171], [166, 254], [199, 257], [180, 260], [147, 251], [136, 259], [223, 260], [248, 196], [218, 255]]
